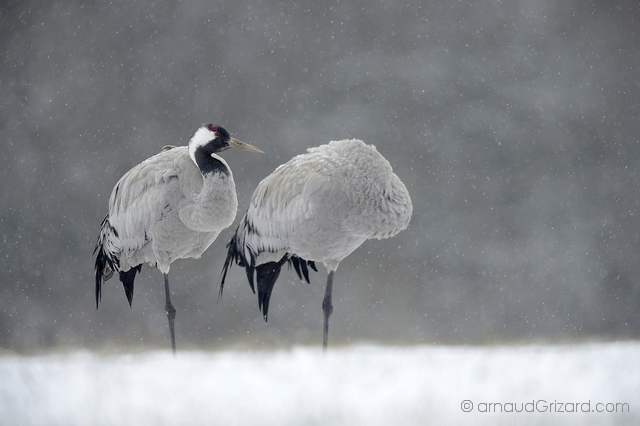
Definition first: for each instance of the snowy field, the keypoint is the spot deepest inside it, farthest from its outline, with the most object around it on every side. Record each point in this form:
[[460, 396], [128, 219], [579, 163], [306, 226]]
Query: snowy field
[[360, 385]]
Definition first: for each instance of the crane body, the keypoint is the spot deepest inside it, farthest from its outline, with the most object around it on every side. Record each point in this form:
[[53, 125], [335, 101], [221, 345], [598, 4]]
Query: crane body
[[171, 206], [317, 208]]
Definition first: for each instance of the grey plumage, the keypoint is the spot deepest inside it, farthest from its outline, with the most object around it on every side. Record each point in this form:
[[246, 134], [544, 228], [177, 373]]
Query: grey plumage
[[318, 207], [171, 206]]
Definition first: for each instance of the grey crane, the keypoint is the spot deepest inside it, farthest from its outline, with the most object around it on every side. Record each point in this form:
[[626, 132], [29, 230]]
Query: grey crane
[[317, 207], [171, 206]]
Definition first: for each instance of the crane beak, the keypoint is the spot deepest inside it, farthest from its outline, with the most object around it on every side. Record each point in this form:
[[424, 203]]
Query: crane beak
[[235, 143]]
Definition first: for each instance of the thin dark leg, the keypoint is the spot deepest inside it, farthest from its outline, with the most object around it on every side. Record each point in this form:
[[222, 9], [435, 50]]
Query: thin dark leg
[[171, 313], [327, 309]]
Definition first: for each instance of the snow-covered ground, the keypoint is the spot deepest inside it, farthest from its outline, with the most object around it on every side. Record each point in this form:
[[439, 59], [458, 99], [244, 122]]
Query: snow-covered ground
[[360, 385]]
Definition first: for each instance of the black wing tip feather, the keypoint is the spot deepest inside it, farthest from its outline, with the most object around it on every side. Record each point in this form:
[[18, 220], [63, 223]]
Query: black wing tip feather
[[99, 267], [225, 269], [103, 261], [98, 287], [236, 255], [266, 276], [127, 279], [300, 265]]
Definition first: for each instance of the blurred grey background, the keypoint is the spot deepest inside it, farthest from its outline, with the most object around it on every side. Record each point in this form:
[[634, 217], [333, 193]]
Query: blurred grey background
[[513, 123]]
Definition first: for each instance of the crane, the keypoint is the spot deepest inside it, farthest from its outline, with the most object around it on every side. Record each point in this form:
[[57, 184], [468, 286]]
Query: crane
[[317, 208], [171, 206]]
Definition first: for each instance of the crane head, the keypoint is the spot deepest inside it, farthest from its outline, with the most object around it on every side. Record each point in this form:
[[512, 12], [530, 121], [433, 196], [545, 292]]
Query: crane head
[[215, 139]]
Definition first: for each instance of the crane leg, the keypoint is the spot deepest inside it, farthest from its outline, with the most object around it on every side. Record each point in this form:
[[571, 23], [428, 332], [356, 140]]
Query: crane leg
[[171, 313], [327, 309]]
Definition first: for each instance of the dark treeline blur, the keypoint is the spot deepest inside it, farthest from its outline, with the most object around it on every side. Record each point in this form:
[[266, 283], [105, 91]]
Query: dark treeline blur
[[514, 125]]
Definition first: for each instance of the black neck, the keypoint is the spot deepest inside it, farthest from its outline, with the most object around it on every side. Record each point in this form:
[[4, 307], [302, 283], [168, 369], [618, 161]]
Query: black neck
[[208, 164]]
